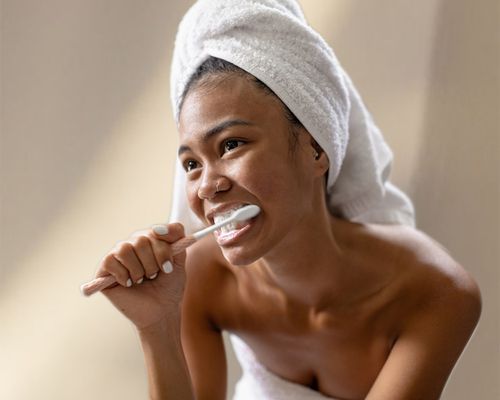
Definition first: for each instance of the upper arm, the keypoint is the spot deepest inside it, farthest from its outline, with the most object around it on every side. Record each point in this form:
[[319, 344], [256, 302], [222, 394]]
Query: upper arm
[[201, 340], [430, 343]]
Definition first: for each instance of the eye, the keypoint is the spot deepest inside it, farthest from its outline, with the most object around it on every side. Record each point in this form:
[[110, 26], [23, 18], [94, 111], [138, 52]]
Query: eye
[[231, 144], [189, 165]]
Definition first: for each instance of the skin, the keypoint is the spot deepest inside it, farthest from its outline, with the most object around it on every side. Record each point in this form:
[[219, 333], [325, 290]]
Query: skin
[[353, 311]]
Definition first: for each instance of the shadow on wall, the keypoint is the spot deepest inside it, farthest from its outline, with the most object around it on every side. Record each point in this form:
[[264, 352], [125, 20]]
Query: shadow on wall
[[69, 74], [456, 182]]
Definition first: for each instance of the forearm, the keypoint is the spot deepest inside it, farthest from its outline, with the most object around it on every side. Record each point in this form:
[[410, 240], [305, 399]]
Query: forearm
[[168, 374]]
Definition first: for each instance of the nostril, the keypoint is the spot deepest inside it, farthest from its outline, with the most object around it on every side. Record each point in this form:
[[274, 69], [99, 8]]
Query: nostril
[[206, 190]]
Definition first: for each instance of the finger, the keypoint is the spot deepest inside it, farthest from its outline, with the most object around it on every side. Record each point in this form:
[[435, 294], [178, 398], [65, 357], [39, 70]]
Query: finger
[[169, 233], [111, 266], [125, 253], [163, 254], [144, 252]]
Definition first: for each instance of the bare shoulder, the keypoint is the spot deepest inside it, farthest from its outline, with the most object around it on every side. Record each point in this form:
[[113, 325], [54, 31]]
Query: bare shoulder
[[209, 276], [438, 283], [205, 261], [431, 261]]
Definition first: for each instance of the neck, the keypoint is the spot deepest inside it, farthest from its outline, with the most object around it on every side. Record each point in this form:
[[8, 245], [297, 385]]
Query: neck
[[307, 265]]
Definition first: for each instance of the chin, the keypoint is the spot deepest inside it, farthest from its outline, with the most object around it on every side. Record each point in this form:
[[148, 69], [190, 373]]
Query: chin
[[239, 257]]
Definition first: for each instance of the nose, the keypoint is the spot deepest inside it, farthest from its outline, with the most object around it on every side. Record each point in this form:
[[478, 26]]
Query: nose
[[211, 184]]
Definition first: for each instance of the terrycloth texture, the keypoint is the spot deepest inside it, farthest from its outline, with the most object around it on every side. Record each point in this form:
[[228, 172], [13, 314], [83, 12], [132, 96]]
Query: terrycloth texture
[[271, 40], [257, 382]]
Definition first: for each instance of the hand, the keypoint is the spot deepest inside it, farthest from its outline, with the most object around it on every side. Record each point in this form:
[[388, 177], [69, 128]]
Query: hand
[[150, 280]]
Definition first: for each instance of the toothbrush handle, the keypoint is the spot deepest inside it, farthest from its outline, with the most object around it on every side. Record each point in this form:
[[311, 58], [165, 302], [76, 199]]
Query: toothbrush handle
[[98, 284], [182, 244]]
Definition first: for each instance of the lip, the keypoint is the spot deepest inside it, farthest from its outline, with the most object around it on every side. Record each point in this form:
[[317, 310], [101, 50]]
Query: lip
[[223, 208]]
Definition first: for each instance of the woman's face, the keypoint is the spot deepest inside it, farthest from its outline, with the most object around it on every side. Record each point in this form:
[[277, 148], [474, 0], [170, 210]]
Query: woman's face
[[235, 149]]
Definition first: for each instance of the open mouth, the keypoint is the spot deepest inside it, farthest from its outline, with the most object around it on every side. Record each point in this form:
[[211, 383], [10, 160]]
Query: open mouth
[[233, 230], [232, 226]]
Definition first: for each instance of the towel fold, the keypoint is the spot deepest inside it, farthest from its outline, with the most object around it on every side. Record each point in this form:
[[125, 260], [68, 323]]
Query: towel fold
[[271, 40]]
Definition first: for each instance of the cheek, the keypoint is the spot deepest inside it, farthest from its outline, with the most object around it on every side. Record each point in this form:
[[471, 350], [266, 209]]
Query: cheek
[[270, 187], [193, 200], [270, 179]]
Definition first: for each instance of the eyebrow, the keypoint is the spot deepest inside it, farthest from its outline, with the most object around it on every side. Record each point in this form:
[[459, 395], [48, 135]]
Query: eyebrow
[[219, 128]]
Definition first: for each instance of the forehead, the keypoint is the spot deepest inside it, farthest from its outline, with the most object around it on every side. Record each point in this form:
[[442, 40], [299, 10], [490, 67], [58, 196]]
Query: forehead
[[230, 97]]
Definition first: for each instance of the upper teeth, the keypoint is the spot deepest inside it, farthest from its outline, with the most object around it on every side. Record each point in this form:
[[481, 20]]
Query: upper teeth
[[226, 214]]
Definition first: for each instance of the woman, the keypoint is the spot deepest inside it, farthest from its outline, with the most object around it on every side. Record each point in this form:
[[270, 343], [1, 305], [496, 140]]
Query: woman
[[319, 306]]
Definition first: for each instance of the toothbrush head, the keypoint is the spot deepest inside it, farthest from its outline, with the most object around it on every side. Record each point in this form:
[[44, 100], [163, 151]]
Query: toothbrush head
[[245, 213]]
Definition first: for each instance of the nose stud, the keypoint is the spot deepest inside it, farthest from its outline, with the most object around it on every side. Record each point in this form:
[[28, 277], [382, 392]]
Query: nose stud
[[210, 189]]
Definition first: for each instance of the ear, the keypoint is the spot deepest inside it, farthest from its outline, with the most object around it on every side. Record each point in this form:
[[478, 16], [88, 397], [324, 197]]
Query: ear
[[320, 158]]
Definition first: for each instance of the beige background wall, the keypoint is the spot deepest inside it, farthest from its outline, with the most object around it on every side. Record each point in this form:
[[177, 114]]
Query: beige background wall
[[88, 145]]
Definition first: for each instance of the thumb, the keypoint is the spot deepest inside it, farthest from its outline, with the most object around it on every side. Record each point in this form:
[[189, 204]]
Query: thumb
[[169, 233]]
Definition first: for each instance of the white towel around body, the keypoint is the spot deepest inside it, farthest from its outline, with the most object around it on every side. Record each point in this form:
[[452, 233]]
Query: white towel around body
[[257, 382]]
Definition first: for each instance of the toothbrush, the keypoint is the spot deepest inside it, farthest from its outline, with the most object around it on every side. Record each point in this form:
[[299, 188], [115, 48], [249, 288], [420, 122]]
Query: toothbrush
[[241, 214]]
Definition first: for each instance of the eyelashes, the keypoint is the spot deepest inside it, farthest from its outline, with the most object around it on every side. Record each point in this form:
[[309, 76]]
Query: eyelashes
[[231, 144], [226, 146]]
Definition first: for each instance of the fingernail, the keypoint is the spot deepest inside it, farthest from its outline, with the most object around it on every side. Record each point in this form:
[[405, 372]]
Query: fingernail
[[140, 281], [129, 282], [160, 229], [167, 267], [154, 275]]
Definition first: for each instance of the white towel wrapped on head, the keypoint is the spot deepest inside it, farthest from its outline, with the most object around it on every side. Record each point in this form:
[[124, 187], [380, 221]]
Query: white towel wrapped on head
[[271, 40]]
